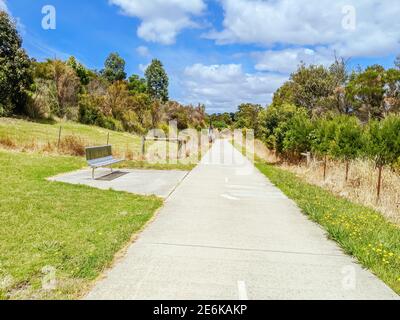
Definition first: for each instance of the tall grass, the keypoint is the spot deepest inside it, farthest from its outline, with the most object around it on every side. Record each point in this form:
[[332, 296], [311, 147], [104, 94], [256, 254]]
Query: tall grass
[[361, 231], [361, 184]]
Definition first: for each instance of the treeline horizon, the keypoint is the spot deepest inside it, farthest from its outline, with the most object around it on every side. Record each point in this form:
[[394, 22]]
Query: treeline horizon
[[68, 90], [109, 98], [329, 113]]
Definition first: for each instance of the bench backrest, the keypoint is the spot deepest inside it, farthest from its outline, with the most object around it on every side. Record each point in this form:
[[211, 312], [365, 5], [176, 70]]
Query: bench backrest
[[95, 153]]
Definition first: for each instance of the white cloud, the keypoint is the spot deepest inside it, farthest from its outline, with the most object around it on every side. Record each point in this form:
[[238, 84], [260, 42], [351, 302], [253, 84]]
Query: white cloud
[[162, 20], [223, 87], [287, 60], [313, 23], [143, 51], [3, 5]]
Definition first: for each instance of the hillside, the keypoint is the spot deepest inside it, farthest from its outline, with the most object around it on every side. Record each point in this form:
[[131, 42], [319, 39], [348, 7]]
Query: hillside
[[34, 135]]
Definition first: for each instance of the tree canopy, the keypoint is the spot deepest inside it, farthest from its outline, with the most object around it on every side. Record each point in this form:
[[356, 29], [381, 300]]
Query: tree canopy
[[114, 68], [157, 81], [15, 68]]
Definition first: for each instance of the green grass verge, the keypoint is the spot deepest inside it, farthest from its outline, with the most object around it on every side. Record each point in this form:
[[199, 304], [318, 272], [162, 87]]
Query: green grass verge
[[75, 229], [25, 132], [360, 231]]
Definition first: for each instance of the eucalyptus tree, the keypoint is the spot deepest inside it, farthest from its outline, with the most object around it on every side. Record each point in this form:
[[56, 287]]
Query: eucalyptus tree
[[15, 68], [157, 81], [114, 68]]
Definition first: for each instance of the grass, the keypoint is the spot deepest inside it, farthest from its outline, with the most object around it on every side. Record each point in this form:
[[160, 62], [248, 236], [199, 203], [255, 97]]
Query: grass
[[76, 230], [28, 136], [361, 184], [27, 133], [361, 231]]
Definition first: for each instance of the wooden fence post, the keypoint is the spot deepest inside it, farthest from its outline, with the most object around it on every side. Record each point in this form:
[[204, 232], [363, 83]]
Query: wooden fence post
[[185, 150], [143, 146], [379, 185], [59, 138], [179, 146], [108, 138]]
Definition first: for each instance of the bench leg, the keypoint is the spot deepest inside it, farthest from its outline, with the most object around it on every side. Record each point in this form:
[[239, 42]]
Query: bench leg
[[93, 173]]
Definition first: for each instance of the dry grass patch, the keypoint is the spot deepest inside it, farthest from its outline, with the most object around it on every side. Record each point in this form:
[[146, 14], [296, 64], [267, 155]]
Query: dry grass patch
[[72, 145], [360, 187], [7, 143]]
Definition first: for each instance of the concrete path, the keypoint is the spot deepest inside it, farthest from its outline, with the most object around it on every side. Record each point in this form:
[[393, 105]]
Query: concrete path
[[145, 182], [227, 233]]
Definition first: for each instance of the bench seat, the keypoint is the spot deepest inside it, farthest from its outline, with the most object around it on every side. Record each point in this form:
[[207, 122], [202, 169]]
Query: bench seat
[[103, 162], [97, 157]]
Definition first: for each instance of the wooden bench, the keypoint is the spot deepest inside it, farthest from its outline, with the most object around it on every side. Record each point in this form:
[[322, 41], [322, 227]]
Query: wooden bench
[[98, 157]]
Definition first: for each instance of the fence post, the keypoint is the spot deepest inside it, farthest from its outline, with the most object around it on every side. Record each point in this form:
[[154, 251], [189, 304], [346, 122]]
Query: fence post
[[179, 144], [185, 149], [143, 145], [59, 138], [108, 138]]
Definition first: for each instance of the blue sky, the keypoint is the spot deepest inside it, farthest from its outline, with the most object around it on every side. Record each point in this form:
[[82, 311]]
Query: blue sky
[[217, 52]]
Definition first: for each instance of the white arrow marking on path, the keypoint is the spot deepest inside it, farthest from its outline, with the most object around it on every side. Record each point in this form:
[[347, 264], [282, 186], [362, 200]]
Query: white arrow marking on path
[[227, 196]]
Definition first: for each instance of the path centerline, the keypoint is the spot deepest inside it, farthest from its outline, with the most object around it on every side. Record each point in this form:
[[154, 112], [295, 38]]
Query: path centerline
[[176, 256]]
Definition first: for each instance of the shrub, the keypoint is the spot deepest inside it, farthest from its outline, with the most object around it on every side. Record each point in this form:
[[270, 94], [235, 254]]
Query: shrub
[[88, 114], [382, 141], [66, 82], [297, 137], [72, 145], [323, 138], [89, 110], [348, 140], [110, 123], [131, 122], [274, 121]]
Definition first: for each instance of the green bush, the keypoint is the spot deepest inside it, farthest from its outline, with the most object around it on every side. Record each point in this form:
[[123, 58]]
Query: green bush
[[131, 122], [110, 123], [382, 144], [323, 137], [274, 122], [297, 137], [91, 114], [348, 141]]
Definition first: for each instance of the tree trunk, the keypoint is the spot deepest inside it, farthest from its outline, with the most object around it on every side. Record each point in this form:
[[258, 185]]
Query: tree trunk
[[347, 170], [325, 168], [379, 186]]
